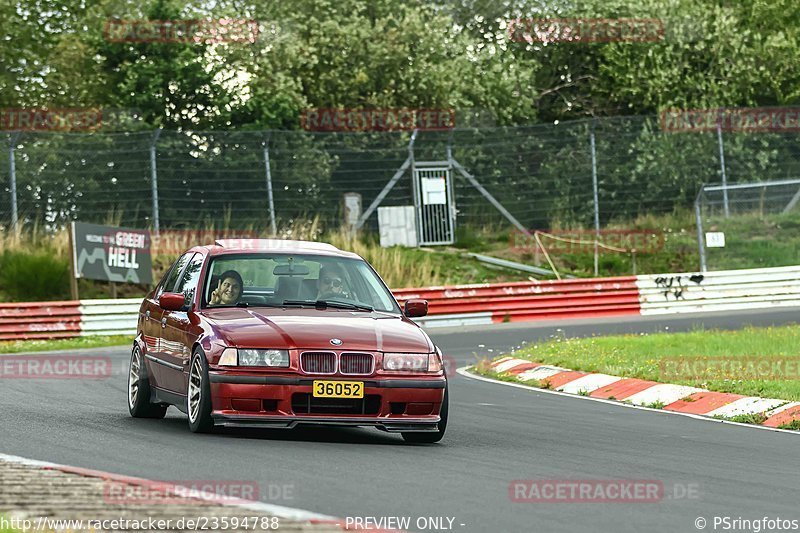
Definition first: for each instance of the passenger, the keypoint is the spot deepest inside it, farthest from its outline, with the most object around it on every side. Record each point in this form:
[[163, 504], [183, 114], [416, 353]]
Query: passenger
[[229, 289]]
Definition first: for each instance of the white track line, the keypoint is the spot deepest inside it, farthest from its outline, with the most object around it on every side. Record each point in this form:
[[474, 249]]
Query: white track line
[[463, 371]]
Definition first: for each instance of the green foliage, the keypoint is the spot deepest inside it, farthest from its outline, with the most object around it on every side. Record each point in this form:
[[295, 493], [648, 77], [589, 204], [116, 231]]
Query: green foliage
[[38, 276], [388, 53]]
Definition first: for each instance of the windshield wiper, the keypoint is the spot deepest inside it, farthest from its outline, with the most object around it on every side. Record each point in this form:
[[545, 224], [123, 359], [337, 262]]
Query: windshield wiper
[[323, 304]]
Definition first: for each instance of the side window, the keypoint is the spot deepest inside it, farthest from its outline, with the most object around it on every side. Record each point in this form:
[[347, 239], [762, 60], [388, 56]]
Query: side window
[[188, 282], [176, 270]]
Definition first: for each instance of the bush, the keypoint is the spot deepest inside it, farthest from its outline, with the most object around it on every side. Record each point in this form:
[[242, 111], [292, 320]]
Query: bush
[[28, 277]]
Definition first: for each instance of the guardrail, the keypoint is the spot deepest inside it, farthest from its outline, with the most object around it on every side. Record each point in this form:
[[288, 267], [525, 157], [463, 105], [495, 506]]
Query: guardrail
[[475, 304], [529, 300], [724, 290]]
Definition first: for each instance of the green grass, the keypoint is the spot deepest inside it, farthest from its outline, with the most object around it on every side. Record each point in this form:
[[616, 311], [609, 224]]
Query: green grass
[[753, 240], [77, 343], [650, 356], [752, 418]]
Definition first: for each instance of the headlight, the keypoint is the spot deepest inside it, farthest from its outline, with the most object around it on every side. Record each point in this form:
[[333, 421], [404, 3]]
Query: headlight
[[411, 362], [253, 357]]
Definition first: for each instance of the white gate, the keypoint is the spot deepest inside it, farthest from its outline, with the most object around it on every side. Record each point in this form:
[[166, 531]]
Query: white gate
[[434, 202]]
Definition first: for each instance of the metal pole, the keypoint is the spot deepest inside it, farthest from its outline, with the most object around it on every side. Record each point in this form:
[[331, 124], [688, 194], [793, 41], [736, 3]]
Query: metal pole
[[391, 183], [596, 205], [701, 248], [724, 172], [154, 179], [451, 196], [273, 226], [415, 188], [486, 194], [13, 178]]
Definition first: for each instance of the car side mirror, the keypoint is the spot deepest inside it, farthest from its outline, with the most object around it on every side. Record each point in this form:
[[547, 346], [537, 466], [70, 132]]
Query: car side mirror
[[415, 308], [172, 301]]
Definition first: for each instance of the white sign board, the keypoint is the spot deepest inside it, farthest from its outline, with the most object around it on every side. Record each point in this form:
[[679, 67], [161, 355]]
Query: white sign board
[[715, 239], [433, 191], [397, 226]]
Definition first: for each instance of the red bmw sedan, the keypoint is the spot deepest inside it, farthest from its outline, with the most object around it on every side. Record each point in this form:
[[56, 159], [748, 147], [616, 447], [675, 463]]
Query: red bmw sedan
[[276, 334]]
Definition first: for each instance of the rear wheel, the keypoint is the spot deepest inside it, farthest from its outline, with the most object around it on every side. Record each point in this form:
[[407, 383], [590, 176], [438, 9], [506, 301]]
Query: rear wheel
[[139, 390], [199, 395], [432, 436]]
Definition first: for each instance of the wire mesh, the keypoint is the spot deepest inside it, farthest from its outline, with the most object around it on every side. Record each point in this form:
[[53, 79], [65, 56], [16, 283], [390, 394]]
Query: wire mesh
[[542, 174]]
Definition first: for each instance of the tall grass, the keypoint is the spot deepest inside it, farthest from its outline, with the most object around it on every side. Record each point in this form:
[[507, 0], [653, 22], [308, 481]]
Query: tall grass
[[399, 267], [34, 263]]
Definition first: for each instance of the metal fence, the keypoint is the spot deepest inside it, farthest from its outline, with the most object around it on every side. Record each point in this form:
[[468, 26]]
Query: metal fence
[[588, 172], [751, 224]]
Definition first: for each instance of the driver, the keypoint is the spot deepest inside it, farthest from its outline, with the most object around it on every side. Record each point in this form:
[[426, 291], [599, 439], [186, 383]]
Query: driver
[[331, 283], [229, 289]]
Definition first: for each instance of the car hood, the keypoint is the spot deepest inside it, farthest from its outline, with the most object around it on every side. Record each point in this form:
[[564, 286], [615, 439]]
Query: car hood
[[314, 329]]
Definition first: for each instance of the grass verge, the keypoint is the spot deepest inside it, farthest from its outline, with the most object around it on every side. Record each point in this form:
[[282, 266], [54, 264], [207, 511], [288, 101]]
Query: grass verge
[[691, 358], [77, 343]]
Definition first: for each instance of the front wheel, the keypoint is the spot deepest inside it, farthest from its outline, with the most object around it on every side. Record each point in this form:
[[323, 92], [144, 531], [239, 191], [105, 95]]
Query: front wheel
[[198, 398], [139, 390], [431, 437]]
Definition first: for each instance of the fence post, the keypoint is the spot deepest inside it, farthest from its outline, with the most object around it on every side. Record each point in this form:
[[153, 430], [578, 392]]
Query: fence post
[[701, 248], [596, 203], [416, 193], [724, 172], [154, 179], [12, 168], [273, 226]]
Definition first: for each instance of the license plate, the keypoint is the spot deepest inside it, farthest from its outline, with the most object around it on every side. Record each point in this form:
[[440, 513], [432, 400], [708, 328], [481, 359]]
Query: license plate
[[338, 389]]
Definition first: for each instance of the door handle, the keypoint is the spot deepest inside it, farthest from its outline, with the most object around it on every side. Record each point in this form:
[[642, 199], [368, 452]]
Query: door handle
[[164, 322]]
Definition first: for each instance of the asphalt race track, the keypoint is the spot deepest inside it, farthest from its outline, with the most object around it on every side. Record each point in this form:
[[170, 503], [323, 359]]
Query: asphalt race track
[[497, 434]]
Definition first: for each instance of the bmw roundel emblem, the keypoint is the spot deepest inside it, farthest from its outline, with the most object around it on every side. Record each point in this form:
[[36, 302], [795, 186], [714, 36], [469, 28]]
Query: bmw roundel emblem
[[336, 342]]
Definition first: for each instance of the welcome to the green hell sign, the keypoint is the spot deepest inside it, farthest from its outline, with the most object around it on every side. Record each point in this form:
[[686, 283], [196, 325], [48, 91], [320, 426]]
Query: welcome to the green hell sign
[[111, 253]]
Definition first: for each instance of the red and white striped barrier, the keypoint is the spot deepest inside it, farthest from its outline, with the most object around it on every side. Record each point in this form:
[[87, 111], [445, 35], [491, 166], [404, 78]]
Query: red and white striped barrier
[[465, 305], [677, 398], [527, 300]]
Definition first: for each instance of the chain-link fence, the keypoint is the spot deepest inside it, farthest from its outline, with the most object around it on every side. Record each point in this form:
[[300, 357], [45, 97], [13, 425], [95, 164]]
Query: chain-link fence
[[746, 225], [544, 175]]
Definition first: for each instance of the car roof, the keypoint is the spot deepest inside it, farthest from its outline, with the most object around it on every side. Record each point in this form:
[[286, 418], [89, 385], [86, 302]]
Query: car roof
[[229, 246]]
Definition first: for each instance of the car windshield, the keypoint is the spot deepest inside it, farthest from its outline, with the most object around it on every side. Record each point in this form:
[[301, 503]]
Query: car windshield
[[296, 280]]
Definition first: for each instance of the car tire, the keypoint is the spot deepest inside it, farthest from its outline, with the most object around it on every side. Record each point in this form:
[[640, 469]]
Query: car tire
[[431, 437], [198, 395], [139, 403]]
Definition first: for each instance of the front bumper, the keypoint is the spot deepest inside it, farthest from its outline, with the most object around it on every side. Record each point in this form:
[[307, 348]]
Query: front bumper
[[407, 404]]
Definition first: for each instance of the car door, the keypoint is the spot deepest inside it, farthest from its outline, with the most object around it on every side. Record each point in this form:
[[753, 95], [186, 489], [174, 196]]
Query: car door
[[155, 325], [179, 334]]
